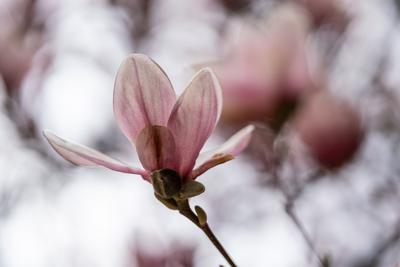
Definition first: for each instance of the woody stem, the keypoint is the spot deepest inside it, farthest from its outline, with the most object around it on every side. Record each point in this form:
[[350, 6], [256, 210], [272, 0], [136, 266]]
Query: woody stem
[[185, 210]]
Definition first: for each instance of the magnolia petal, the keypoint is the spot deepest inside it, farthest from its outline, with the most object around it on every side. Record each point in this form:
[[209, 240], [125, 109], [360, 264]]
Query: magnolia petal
[[156, 148], [227, 151], [194, 117], [84, 156], [143, 95], [217, 159]]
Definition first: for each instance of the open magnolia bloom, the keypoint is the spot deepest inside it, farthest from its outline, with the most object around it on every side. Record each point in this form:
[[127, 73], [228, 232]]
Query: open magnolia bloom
[[168, 133]]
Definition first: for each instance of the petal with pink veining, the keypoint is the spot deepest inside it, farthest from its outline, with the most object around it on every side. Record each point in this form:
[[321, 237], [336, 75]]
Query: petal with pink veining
[[194, 117], [227, 151], [156, 148], [143, 95], [84, 156]]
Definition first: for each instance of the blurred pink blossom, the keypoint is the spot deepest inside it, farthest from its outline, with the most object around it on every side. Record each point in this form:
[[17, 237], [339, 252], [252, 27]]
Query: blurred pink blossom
[[268, 66], [331, 129], [168, 133], [18, 42], [176, 254], [327, 11]]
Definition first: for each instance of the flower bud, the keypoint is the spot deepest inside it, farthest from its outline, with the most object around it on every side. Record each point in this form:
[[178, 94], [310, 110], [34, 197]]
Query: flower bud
[[330, 128], [201, 215]]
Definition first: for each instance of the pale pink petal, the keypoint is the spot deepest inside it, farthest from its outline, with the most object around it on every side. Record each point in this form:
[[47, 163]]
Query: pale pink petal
[[143, 95], [227, 151], [299, 79], [84, 156], [156, 148], [217, 159], [194, 117]]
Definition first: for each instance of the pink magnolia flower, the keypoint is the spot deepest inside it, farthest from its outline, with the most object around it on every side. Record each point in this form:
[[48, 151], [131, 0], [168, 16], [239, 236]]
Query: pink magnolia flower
[[267, 67], [168, 133]]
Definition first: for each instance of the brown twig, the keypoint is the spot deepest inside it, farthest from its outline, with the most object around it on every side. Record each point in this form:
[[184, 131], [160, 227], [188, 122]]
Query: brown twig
[[185, 210]]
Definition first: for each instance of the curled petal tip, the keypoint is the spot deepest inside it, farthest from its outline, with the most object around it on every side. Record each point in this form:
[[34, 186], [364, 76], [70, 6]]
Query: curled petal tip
[[47, 134], [248, 129], [206, 70]]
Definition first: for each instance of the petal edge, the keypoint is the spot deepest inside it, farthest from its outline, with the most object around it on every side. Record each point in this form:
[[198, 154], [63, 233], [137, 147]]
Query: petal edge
[[143, 95], [195, 116], [225, 152], [84, 156]]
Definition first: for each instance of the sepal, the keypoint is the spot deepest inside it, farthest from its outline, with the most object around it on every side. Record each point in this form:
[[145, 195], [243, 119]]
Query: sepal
[[168, 202], [190, 189], [166, 183]]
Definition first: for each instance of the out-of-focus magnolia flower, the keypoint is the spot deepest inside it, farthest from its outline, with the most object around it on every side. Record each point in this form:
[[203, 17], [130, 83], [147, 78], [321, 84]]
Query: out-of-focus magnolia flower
[[267, 66], [168, 133], [177, 254], [17, 43], [235, 5], [15, 60], [331, 129], [327, 11]]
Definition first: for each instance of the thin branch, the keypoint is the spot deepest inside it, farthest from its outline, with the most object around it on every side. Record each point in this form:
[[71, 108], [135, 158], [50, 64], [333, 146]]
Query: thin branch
[[290, 198], [185, 210], [322, 261]]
